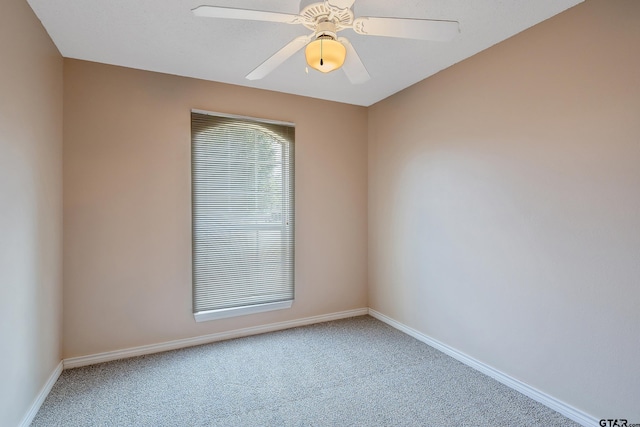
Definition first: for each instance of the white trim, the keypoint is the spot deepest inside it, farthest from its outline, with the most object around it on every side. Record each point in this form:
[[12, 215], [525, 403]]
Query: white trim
[[203, 316], [74, 362], [568, 411], [42, 395], [248, 118]]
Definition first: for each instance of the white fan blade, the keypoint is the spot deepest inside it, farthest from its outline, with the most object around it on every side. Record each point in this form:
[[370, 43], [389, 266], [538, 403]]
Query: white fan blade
[[341, 4], [353, 66], [421, 29], [246, 14], [279, 57]]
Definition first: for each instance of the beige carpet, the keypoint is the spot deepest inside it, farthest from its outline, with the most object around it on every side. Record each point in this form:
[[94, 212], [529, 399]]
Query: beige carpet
[[353, 372]]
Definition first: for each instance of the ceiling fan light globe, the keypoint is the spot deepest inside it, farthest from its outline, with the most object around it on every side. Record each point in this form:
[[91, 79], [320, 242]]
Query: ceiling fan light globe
[[330, 51]]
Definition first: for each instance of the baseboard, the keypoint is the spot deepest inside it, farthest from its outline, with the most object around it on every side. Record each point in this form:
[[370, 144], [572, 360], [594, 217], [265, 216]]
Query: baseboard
[[42, 395], [568, 411], [75, 362]]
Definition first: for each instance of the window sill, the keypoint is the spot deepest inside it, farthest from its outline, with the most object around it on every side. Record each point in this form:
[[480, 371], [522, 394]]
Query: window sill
[[204, 316]]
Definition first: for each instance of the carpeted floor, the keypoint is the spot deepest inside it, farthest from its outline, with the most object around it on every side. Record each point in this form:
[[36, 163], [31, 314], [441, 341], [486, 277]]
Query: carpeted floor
[[353, 372]]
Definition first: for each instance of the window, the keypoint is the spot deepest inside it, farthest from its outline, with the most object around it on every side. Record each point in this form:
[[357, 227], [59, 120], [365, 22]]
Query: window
[[242, 177]]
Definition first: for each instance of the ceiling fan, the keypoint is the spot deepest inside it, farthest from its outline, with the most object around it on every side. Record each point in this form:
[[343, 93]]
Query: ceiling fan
[[325, 51]]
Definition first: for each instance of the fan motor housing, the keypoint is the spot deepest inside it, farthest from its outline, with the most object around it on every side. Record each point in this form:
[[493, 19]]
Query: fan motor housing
[[319, 13]]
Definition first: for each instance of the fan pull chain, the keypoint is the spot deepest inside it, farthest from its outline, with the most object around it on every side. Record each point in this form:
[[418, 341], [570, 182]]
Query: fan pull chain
[[321, 61]]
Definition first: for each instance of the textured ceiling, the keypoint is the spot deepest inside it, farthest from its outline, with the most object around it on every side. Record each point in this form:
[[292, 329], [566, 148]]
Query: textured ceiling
[[164, 36]]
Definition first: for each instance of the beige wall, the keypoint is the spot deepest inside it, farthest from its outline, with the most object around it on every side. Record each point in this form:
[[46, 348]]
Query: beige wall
[[30, 209], [504, 207], [127, 224]]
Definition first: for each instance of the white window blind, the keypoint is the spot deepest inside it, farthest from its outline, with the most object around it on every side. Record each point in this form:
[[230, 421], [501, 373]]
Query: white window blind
[[242, 212]]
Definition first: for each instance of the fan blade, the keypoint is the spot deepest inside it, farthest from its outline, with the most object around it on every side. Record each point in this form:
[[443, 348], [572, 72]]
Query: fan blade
[[341, 4], [252, 15], [279, 57], [353, 66], [421, 29]]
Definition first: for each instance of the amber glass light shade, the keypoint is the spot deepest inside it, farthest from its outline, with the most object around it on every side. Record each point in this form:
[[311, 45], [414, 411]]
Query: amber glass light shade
[[328, 51]]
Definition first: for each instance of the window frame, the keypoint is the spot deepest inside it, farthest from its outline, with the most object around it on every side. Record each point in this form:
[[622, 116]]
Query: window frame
[[251, 308]]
